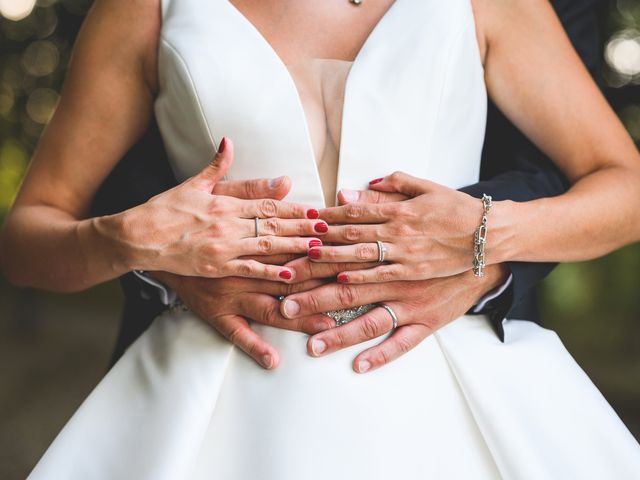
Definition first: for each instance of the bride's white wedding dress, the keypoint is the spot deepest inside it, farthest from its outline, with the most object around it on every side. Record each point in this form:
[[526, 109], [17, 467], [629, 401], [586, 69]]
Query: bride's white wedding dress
[[184, 403]]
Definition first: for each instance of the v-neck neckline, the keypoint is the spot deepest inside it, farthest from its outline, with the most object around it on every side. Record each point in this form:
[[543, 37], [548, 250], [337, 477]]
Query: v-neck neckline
[[358, 59]]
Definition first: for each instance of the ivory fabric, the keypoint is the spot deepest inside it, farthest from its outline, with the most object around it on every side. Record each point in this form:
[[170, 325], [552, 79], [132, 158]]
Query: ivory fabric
[[183, 403]]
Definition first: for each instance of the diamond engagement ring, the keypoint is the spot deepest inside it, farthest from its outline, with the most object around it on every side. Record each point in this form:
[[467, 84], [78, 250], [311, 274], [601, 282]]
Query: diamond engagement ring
[[347, 314], [394, 318], [382, 251]]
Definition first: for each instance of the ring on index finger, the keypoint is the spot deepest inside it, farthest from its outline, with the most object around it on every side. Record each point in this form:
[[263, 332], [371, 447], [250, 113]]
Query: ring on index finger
[[256, 221]]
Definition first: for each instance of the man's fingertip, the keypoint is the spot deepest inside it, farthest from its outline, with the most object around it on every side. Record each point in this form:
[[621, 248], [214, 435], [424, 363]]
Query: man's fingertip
[[349, 196], [275, 183]]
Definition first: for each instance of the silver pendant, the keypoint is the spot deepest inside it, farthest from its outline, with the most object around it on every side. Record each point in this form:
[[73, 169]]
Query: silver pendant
[[356, 2]]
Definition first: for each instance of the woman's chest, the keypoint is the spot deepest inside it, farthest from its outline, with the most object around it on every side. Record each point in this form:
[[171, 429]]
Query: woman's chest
[[299, 29]]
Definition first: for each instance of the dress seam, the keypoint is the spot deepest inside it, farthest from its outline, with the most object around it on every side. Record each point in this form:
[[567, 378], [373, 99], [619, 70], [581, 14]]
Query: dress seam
[[194, 90], [466, 401]]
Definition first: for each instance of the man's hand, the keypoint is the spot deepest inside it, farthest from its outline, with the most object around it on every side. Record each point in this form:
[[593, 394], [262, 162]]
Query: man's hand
[[421, 306], [228, 303]]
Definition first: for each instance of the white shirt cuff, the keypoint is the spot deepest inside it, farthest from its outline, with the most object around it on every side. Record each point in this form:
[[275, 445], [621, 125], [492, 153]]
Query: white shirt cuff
[[495, 293], [167, 296]]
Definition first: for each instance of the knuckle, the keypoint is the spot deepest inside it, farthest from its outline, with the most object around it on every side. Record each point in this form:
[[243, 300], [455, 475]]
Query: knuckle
[[380, 357], [217, 229], [365, 251], [396, 176], [252, 189], [370, 327], [245, 269], [354, 211], [404, 344], [352, 233], [402, 229], [205, 270], [403, 209], [346, 295], [235, 335], [269, 315], [411, 249], [341, 339], [252, 349], [290, 289], [298, 211], [271, 226], [385, 274], [216, 205], [313, 303], [212, 251], [265, 245], [302, 228], [268, 208]]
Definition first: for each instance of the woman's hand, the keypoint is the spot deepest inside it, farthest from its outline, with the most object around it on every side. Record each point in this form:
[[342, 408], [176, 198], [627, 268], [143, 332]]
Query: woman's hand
[[191, 231], [429, 235]]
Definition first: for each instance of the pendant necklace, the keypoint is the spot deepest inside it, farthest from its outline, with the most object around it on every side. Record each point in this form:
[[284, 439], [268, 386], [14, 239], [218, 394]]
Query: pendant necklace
[[356, 2]]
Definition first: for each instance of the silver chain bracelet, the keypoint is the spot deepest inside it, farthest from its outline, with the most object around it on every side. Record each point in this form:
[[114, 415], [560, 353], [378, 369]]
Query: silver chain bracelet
[[480, 239]]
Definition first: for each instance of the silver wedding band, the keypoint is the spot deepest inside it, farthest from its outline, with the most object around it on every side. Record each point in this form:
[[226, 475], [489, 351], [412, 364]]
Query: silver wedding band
[[257, 224], [382, 251], [394, 318]]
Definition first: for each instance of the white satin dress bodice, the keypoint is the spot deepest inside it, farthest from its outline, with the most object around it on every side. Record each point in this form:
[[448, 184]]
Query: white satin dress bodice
[[183, 403]]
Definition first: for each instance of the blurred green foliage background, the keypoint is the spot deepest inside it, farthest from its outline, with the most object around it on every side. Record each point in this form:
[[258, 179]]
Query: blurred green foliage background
[[53, 349]]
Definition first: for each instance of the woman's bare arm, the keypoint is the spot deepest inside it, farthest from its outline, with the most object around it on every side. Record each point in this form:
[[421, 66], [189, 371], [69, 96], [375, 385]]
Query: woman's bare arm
[[105, 106], [536, 78]]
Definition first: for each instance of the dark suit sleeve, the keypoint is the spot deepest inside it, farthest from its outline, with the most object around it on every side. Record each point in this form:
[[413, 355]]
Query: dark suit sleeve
[[141, 174], [514, 169]]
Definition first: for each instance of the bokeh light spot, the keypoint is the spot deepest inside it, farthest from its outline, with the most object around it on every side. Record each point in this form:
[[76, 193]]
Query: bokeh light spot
[[40, 58], [16, 9], [7, 100], [13, 164], [41, 104], [622, 54]]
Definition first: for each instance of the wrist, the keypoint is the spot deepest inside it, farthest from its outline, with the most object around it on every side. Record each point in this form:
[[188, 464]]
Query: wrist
[[118, 232], [501, 237], [494, 276]]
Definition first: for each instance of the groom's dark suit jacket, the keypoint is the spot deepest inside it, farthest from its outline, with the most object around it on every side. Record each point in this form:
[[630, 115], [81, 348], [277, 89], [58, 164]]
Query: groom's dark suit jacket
[[512, 168]]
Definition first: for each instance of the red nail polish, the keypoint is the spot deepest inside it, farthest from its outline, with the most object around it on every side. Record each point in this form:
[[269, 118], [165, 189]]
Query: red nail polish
[[321, 227], [377, 180], [315, 243], [285, 274], [314, 253], [343, 278], [312, 213], [223, 143]]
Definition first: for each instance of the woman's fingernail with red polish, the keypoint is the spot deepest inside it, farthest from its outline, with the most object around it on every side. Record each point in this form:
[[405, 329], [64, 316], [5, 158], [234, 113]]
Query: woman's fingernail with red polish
[[314, 253], [377, 180], [285, 274], [343, 278], [223, 143], [315, 243], [321, 227], [312, 213]]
